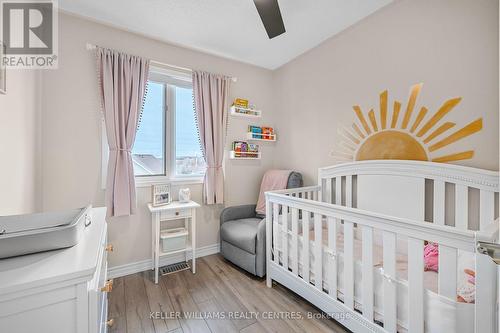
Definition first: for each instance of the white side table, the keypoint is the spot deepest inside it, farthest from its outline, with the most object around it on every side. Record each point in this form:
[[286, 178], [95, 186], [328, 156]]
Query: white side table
[[167, 213]]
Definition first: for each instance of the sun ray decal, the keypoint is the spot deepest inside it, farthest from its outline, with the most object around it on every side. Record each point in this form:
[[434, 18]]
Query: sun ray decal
[[420, 136]]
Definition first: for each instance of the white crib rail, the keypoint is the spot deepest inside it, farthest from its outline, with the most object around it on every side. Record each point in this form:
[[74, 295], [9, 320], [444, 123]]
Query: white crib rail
[[450, 240], [445, 235]]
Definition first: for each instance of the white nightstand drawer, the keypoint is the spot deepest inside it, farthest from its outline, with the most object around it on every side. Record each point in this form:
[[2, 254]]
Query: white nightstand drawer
[[175, 213]]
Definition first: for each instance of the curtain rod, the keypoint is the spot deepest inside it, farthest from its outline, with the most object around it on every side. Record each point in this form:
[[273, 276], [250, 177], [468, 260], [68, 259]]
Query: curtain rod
[[91, 47]]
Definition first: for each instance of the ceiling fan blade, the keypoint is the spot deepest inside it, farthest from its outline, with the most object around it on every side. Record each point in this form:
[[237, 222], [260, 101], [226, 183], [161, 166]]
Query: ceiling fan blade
[[270, 15]]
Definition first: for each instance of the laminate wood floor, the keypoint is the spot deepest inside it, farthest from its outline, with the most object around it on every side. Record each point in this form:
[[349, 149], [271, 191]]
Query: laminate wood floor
[[218, 298]]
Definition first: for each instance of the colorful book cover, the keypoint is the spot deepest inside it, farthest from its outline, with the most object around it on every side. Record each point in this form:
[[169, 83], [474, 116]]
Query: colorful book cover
[[267, 133], [244, 148], [252, 147], [239, 146], [241, 102], [256, 131]]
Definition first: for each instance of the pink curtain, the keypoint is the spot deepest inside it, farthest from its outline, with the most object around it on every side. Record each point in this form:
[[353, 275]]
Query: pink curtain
[[210, 100], [122, 86]]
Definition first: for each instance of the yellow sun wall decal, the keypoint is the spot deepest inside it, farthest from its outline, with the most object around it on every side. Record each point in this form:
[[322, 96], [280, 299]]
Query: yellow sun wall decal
[[419, 139]]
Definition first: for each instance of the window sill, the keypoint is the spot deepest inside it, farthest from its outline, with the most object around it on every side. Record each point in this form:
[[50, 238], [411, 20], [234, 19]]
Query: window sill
[[148, 181]]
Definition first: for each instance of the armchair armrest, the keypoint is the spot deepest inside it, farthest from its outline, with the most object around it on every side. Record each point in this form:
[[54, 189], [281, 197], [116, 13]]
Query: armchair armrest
[[237, 212]]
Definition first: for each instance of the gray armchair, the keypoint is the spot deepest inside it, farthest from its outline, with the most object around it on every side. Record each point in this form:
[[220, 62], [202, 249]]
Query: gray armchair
[[243, 234]]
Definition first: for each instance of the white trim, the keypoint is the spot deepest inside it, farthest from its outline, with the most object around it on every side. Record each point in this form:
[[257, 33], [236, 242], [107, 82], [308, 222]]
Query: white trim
[[161, 73], [170, 137], [144, 265], [187, 180], [154, 180], [146, 181]]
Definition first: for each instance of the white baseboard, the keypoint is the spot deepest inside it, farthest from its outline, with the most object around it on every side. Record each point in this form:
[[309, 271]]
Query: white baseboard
[[143, 265]]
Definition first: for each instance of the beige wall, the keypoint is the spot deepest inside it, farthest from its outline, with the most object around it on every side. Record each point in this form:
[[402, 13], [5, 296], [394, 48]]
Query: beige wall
[[19, 148], [71, 155], [449, 45]]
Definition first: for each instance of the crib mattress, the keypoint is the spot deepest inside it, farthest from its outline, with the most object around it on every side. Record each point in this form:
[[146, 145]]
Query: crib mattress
[[430, 277], [441, 314]]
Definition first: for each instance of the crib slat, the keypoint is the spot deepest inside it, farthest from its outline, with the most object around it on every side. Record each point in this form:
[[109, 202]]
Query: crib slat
[[390, 305], [461, 206], [416, 285], [284, 238], [447, 276], [439, 203], [332, 190], [305, 245], [322, 194], [295, 242], [486, 293], [276, 233], [348, 191], [332, 245], [326, 187], [318, 252], [349, 264], [367, 259], [486, 208], [338, 190]]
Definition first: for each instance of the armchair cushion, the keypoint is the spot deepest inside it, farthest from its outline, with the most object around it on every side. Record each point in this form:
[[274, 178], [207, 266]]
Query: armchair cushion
[[237, 212], [241, 233]]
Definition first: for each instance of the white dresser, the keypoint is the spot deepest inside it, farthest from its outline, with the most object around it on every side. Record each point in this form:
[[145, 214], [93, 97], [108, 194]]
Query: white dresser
[[60, 291]]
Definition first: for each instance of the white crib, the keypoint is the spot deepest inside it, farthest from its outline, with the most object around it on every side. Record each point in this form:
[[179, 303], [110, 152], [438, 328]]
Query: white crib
[[353, 245]]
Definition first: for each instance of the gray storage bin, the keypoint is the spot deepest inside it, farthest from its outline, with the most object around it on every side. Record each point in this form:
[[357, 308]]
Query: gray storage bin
[[31, 233]]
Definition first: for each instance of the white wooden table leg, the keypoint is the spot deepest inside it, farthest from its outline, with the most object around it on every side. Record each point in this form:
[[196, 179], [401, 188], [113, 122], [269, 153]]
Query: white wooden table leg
[[193, 238], [186, 226], [157, 245], [153, 232]]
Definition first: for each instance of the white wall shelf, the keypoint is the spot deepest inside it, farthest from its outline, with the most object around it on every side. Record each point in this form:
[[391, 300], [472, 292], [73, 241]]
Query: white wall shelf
[[250, 137], [244, 112], [244, 155]]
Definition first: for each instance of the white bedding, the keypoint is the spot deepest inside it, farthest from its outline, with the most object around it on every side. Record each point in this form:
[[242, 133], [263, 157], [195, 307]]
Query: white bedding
[[441, 313]]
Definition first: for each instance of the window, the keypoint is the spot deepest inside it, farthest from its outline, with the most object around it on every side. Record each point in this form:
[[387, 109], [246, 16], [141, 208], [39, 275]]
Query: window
[[167, 145], [148, 153]]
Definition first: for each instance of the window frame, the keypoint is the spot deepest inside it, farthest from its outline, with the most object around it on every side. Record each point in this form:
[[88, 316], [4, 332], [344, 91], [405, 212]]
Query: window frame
[[170, 78]]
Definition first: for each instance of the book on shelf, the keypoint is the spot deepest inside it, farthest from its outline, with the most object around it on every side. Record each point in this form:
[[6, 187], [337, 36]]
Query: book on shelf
[[256, 131], [253, 148], [241, 102], [264, 133], [267, 133], [250, 112], [245, 149]]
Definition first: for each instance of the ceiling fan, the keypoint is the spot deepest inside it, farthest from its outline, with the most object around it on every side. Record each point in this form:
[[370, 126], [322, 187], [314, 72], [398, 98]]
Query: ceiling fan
[[270, 14]]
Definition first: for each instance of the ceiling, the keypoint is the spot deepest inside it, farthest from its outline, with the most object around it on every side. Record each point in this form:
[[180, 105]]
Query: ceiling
[[230, 28]]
